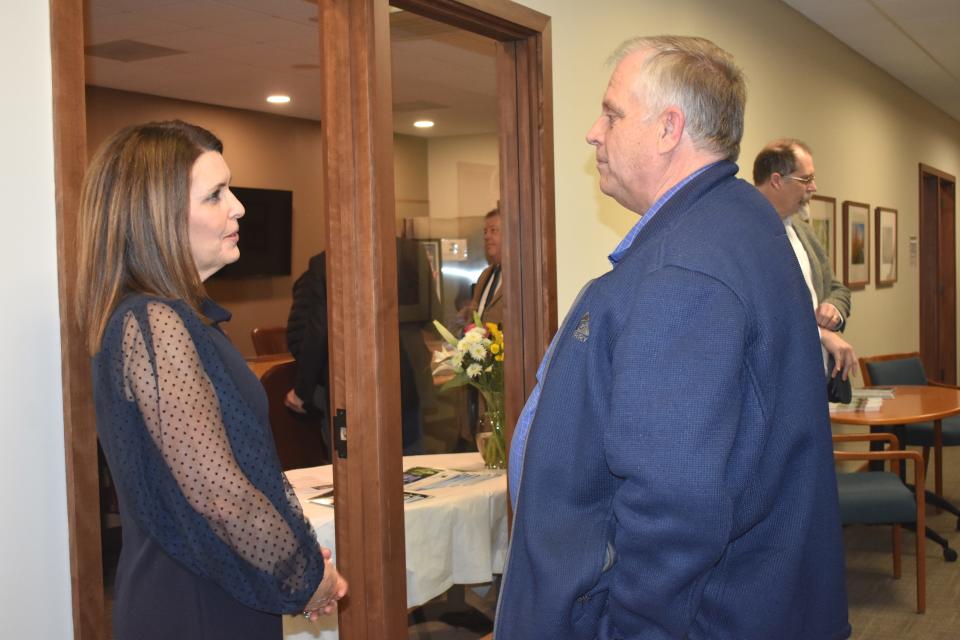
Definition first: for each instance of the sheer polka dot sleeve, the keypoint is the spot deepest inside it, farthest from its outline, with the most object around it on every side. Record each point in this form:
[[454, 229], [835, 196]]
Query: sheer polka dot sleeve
[[201, 466]]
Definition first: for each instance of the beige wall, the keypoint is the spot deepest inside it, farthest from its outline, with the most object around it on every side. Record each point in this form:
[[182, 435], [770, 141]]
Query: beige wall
[[867, 130], [464, 175], [410, 171], [263, 151]]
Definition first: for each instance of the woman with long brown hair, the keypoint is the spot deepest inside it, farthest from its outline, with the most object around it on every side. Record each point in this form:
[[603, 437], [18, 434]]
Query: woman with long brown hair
[[215, 544]]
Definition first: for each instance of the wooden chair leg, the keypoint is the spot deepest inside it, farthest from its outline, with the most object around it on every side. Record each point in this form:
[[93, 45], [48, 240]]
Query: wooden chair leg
[[895, 540], [921, 571], [926, 459], [938, 458], [921, 539]]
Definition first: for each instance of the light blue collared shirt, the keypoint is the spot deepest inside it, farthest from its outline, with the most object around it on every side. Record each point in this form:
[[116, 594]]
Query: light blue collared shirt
[[519, 442]]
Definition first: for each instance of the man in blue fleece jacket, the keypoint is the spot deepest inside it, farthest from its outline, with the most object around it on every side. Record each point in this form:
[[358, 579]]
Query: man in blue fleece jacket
[[672, 470]]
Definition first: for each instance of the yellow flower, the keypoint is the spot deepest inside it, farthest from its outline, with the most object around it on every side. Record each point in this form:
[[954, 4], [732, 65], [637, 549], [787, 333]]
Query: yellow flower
[[494, 348], [498, 358], [494, 332]]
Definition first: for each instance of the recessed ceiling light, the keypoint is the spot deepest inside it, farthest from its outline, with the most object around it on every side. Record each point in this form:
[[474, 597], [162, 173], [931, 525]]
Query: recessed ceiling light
[[278, 99], [423, 124]]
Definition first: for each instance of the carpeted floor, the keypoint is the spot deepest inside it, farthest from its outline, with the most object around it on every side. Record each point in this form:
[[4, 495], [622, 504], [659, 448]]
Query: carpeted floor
[[882, 608], [459, 614]]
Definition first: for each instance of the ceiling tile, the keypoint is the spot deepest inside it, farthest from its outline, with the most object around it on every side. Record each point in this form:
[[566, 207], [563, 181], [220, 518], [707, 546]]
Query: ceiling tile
[[201, 14], [125, 26]]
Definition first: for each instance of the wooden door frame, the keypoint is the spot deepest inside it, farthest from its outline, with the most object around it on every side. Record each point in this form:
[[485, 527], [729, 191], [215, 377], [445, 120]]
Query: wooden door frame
[[360, 220], [930, 307], [361, 257], [363, 323]]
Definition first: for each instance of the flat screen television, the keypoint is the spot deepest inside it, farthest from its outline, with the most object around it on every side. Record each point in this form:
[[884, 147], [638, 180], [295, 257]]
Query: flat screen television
[[265, 234]]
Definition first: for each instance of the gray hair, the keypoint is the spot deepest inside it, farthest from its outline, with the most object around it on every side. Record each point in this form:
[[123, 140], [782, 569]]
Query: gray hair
[[698, 77]]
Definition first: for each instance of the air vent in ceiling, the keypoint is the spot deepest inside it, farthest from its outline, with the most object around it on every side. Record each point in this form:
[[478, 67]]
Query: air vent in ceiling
[[129, 51]]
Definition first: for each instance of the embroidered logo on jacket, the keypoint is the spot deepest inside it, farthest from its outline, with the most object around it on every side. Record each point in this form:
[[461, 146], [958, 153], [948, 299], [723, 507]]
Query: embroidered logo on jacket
[[582, 332]]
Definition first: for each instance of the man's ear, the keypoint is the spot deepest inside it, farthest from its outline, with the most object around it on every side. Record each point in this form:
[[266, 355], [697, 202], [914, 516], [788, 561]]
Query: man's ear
[[776, 180], [672, 122]]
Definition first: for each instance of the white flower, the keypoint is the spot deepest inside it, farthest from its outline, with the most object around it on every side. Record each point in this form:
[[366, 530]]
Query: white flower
[[456, 361], [474, 370], [478, 351], [443, 354]]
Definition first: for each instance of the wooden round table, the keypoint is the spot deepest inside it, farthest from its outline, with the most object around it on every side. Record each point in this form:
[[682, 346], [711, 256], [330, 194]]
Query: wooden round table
[[912, 404]]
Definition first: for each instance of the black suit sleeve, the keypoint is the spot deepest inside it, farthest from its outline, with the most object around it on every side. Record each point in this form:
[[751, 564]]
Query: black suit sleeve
[[310, 304]]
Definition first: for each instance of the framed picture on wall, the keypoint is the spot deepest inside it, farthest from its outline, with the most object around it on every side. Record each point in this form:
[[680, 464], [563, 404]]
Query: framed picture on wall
[[885, 222], [823, 219], [856, 245]]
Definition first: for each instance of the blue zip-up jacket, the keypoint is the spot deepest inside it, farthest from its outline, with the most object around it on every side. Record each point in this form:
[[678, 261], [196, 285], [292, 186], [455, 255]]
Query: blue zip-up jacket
[[678, 477]]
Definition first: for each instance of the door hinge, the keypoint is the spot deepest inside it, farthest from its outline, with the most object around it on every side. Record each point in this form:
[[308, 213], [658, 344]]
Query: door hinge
[[340, 433]]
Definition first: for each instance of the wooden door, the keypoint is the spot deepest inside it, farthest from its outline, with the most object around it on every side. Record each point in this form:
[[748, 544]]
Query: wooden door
[[938, 279]]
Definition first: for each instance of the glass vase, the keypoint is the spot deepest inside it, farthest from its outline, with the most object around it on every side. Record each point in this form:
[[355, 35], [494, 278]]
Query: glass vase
[[490, 430]]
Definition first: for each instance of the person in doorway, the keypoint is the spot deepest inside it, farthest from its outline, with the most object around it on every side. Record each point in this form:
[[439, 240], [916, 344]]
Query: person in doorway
[[487, 302], [487, 298], [308, 342], [215, 545]]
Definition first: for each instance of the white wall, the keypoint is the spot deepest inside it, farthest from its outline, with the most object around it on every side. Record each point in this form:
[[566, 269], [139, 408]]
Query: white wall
[[34, 566], [464, 175], [867, 130]]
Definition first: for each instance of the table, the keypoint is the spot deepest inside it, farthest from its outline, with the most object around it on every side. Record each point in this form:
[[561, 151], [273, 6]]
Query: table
[[261, 364], [911, 404], [457, 536]]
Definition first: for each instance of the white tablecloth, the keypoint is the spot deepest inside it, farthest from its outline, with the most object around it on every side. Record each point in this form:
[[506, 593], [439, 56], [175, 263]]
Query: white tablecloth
[[457, 536]]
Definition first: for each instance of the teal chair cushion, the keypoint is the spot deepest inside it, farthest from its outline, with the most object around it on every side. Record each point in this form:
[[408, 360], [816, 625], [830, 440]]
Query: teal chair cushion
[[874, 497], [890, 372], [921, 433]]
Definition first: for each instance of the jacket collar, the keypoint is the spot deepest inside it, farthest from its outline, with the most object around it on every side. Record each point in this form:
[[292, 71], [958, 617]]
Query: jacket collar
[[674, 208]]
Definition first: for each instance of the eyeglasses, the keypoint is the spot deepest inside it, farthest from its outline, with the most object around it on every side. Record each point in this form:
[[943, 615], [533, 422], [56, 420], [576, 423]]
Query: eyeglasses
[[803, 179]]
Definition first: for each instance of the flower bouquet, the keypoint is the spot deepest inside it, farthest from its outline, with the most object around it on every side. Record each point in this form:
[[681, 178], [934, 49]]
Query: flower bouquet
[[476, 359]]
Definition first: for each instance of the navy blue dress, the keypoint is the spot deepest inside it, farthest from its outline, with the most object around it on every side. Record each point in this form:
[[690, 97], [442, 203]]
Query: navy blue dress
[[215, 544]]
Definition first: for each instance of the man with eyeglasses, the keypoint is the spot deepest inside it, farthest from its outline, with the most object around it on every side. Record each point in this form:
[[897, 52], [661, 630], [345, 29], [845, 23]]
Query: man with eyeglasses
[[783, 172]]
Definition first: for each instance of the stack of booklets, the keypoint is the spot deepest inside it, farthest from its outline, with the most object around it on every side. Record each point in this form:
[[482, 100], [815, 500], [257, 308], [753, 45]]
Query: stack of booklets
[[858, 404], [874, 392]]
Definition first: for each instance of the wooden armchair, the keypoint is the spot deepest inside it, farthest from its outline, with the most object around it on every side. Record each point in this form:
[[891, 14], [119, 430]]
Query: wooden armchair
[[299, 438], [269, 341], [881, 497]]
